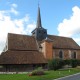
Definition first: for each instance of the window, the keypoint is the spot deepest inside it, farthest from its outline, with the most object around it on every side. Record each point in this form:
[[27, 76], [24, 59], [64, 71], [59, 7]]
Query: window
[[61, 54], [74, 55]]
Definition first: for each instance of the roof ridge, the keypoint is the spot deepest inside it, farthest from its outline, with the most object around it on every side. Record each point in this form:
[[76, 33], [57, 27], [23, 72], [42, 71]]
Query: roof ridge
[[60, 36], [19, 34]]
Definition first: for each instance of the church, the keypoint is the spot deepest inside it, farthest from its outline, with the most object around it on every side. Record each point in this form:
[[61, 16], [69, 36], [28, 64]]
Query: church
[[25, 52]]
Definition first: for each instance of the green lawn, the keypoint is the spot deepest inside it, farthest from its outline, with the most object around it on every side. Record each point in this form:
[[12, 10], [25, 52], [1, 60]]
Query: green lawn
[[50, 75]]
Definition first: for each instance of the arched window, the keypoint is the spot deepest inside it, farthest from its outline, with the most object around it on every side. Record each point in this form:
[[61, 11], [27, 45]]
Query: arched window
[[61, 54], [74, 55]]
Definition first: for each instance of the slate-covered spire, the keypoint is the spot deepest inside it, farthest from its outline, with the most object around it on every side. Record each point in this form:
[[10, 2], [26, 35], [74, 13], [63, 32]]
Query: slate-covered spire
[[39, 25], [39, 32]]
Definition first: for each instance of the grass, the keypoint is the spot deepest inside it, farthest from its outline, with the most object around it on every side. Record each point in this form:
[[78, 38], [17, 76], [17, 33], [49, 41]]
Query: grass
[[49, 75]]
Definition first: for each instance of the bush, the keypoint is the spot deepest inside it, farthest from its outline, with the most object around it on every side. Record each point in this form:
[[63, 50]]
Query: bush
[[58, 64], [78, 62], [67, 62], [38, 71], [55, 64], [73, 63]]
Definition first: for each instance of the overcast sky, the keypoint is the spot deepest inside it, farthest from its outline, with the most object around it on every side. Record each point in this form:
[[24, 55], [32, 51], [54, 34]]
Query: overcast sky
[[59, 17]]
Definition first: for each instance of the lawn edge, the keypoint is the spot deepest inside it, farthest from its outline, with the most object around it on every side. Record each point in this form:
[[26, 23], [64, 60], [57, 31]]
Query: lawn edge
[[66, 76]]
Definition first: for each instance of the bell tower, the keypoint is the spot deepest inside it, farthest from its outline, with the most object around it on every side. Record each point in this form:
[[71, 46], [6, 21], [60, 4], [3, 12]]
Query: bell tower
[[39, 32]]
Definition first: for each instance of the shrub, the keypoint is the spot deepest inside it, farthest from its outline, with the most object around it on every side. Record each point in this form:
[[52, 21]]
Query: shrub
[[55, 64], [73, 63], [78, 62], [38, 71], [66, 62]]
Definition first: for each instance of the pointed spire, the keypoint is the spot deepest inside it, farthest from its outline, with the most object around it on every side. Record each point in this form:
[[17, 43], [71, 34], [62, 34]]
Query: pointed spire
[[39, 25]]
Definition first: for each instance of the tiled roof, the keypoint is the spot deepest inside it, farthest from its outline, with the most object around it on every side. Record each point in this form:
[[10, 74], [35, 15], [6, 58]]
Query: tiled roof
[[21, 42], [22, 57], [63, 42]]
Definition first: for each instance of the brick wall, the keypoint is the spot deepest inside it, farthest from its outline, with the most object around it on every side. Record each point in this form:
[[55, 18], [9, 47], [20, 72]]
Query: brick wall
[[47, 49]]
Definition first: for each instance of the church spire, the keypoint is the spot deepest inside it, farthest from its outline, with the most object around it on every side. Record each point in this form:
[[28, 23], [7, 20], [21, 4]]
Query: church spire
[[39, 25], [39, 32]]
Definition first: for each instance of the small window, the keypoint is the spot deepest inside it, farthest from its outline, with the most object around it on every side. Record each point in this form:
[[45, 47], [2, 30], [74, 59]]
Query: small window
[[61, 54]]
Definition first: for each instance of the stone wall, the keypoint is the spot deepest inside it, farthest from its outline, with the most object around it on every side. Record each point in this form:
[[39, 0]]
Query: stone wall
[[66, 53], [78, 54]]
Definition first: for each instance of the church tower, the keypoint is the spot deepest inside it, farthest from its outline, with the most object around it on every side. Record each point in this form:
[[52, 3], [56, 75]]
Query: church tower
[[39, 32]]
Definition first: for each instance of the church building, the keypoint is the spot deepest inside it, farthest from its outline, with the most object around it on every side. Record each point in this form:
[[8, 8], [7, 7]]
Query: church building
[[25, 52]]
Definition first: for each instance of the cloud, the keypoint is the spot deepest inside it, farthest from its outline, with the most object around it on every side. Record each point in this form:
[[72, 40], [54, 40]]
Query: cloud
[[71, 27], [14, 11], [14, 5], [9, 25], [30, 27]]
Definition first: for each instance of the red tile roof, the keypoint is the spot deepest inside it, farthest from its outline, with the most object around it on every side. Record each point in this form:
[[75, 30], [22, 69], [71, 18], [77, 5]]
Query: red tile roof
[[21, 42], [63, 42]]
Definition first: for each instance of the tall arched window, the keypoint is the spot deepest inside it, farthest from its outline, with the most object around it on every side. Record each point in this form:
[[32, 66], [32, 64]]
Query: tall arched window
[[74, 55], [61, 54]]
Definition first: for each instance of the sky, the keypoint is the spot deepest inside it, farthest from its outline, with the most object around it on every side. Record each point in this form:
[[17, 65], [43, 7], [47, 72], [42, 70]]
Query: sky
[[59, 17]]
